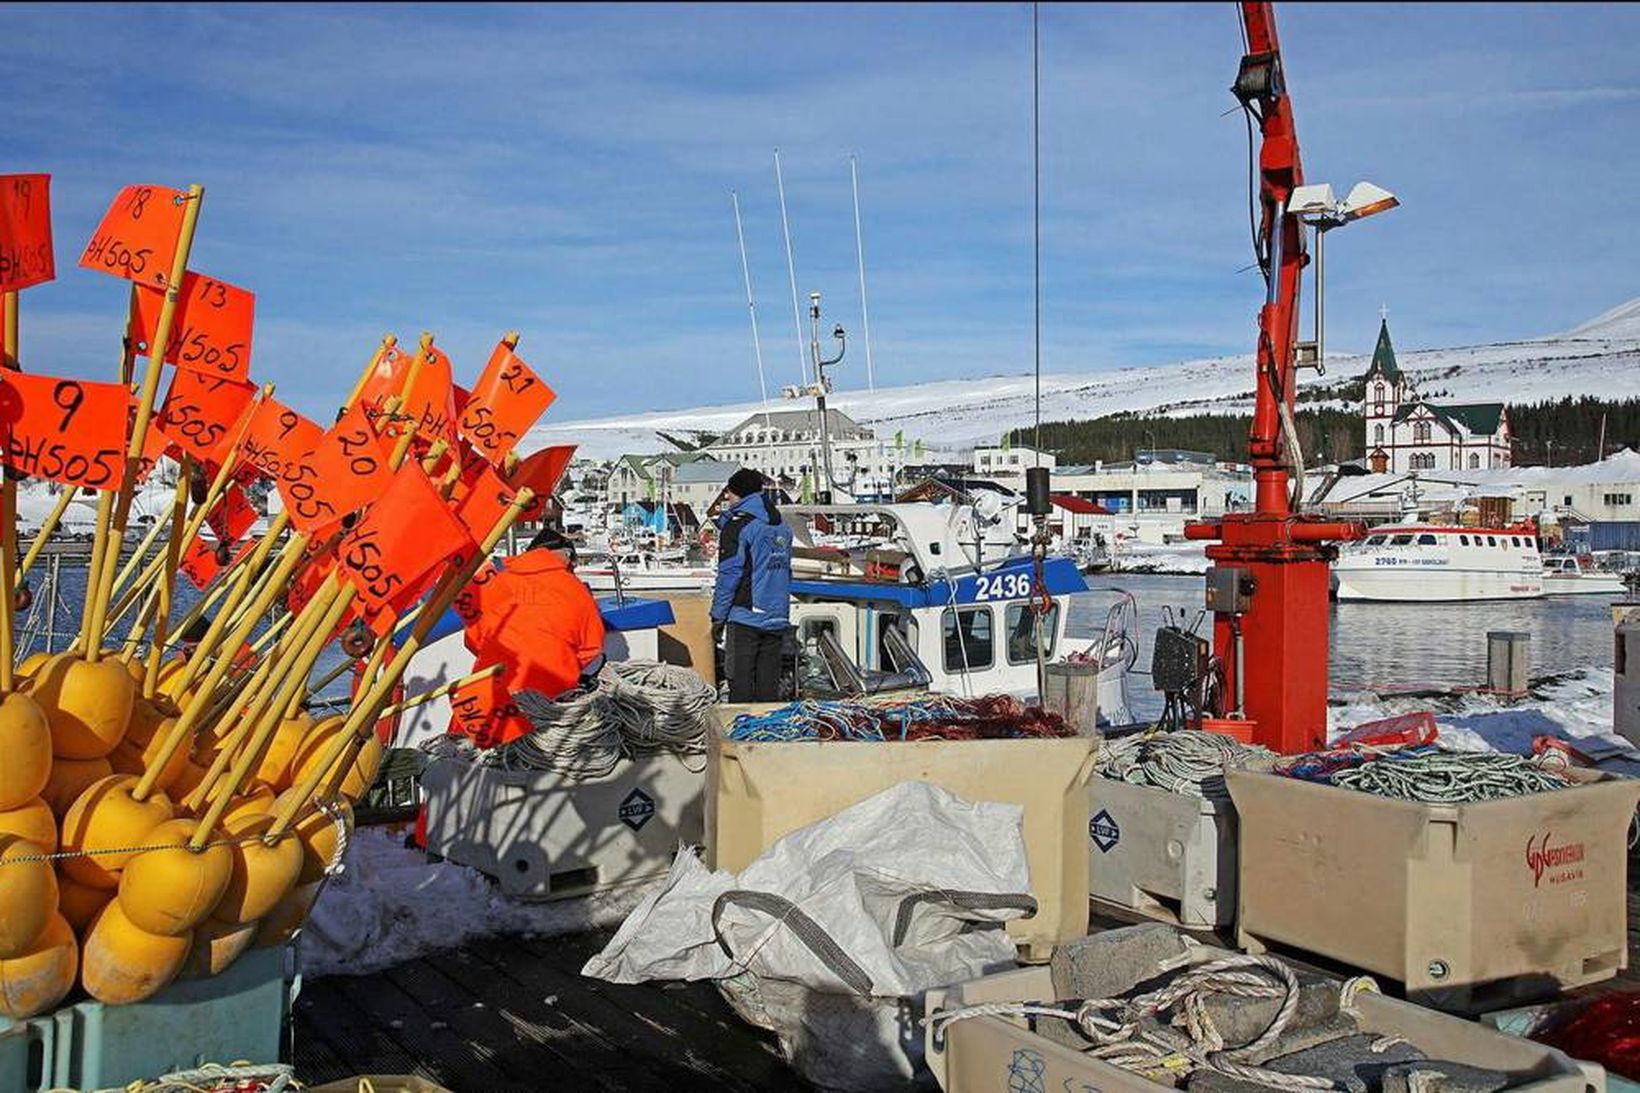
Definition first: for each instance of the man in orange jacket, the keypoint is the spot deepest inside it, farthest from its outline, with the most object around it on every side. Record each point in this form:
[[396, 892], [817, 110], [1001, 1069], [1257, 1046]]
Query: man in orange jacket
[[535, 617]]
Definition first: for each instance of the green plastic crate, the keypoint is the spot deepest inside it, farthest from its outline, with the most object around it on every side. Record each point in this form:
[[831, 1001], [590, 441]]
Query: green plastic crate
[[242, 1014]]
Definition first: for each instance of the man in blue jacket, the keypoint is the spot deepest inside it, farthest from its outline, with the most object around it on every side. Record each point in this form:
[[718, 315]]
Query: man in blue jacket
[[751, 602]]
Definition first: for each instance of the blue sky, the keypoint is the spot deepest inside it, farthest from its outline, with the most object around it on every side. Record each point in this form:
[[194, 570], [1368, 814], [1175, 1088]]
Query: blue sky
[[566, 171]]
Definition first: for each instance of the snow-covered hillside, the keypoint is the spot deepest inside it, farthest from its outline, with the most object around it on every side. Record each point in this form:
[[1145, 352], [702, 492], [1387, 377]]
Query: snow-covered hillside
[[1600, 357]]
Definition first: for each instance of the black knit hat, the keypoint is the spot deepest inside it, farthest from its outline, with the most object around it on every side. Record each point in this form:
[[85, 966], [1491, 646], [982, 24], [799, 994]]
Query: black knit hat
[[745, 482]]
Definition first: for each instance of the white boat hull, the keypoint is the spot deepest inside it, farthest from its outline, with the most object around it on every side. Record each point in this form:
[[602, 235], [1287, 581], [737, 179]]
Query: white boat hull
[[1433, 585], [1583, 585], [602, 581]]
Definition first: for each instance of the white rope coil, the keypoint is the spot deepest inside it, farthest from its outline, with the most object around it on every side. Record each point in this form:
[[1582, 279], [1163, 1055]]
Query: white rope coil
[[1189, 761], [638, 708], [1120, 1036]]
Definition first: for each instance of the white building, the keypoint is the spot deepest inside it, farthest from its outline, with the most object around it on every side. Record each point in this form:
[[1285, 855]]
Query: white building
[[648, 477], [1405, 433], [1161, 491], [1010, 463], [785, 445]]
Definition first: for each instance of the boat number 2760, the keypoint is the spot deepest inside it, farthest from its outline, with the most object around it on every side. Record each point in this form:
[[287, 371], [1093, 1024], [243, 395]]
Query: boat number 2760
[[1003, 586]]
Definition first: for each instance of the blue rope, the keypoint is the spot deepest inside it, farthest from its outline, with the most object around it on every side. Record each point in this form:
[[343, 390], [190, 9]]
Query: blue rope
[[854, 721]]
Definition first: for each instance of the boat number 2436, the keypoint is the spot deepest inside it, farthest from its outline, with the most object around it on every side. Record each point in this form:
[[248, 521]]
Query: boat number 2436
[[1003, 586]]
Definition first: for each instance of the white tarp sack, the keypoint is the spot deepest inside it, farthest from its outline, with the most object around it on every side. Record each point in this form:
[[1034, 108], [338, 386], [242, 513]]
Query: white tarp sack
[[831, 937]]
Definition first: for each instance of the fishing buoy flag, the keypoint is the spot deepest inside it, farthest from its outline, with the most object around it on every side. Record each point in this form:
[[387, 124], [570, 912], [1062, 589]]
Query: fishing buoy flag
[[68, 431], [26, 257], [138, 236], [215, 320], [507, 399]]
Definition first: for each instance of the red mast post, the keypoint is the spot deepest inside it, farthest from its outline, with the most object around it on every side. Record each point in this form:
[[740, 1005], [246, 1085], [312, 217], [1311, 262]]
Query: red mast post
[[1268, 588]]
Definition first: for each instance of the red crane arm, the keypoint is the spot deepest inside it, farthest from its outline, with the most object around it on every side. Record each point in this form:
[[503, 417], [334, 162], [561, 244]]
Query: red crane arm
[[1262, 90]]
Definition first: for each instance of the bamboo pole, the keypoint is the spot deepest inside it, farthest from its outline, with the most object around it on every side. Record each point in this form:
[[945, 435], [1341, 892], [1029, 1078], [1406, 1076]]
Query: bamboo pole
[[167, 584], [363, 712], [438, 692], [147, 543], [251, 752], [190, 717], [121, 511], [388, 342], [253, 568], [8, 522]]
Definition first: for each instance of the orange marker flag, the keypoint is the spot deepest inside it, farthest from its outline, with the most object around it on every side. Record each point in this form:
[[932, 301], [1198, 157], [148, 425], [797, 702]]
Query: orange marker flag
[[507, 399], [275, 435], [404, 536], [541, 471], [213, 321], [69, 431], [26, 257], [485, 711], [204, 415], [137, 239], [346, 470], [233, 515], [430, 406]]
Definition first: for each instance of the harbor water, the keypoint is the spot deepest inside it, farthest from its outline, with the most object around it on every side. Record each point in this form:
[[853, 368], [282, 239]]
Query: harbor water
[[1380, 646]]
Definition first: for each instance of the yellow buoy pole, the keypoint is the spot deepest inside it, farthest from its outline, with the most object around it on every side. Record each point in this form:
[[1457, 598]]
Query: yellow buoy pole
[[160, 523], [145, 413], [167, 585], [363, 713], [388, 342], [8, 521], [440, 691], [184, 726], [239, 586], [251, 752]]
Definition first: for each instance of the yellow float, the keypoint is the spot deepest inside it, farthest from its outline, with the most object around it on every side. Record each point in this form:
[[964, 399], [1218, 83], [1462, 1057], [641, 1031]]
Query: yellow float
[[121, 963], [288, 738], [31, 665], [25, 744], [69, 778], [132, 757], [32, 821], [217, 945], [173, 890], [28, 894], [88, 704], [106, 824], [359, 775], [36, 980], [80, 903], [262, 872], [288, 915]]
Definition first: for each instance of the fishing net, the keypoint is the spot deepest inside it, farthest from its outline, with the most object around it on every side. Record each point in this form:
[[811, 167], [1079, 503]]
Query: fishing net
[[988, 717]]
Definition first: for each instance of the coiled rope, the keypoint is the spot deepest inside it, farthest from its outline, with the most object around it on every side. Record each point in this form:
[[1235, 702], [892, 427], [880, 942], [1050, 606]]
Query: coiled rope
[[638, 708], [1188, 761], [1167, 1053], [1453, 778]]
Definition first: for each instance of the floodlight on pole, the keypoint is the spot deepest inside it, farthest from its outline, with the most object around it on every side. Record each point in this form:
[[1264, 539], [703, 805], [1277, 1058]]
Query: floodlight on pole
[[1316, 205]]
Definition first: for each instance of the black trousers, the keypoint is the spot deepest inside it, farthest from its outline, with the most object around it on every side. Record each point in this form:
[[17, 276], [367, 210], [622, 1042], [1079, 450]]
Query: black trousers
[[751, 659]]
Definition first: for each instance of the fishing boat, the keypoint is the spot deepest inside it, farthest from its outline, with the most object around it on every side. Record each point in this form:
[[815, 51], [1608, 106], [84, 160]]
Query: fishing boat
[[644, 572], [950, 601], [1437, 563], [1564, 575]]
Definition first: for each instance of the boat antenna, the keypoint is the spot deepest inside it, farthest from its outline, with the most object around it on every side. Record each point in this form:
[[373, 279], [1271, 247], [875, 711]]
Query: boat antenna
[[751, 308], [860, 249], [1036, 215], [791, 271]]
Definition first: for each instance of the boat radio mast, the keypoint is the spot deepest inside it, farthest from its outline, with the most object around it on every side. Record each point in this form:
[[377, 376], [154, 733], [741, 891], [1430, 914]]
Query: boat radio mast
[[860, 249], [820, 388], [791, 268], [751, 307]]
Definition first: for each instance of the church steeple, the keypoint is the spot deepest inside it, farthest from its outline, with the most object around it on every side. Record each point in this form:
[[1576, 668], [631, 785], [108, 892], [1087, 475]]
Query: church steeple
[[1383, 355]]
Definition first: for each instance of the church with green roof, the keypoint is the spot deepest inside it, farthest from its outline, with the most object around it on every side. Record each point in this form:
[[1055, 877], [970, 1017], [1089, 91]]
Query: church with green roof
[[1406, 434]]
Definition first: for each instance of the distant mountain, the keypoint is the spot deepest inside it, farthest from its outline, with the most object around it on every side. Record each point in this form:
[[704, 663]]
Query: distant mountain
[[1600, 357]]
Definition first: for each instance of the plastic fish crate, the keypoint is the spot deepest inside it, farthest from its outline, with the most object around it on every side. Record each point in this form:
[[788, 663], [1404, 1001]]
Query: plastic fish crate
[[1469, 906], [543, 836], [1163, 855], [241, 1014], [1002, 1055], [757, 792]]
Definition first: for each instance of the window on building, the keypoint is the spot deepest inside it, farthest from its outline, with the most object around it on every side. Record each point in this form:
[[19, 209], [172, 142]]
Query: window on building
[[1474, 461], [1420, 432], [1378, 398], [1377, 434], [967, 634], [1613, 500], [1022, 632]]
